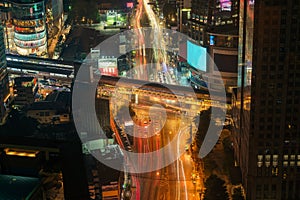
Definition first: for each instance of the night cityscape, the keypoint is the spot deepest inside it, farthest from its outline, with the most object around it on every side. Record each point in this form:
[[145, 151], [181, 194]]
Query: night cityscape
[[150, 100]]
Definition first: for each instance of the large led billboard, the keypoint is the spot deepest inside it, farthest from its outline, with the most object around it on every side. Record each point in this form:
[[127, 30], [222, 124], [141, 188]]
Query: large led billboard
[[196, 56]]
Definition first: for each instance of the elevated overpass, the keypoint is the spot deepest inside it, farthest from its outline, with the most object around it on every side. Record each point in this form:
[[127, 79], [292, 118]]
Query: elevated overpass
[[40, 66], [109, 85], [66, 70]]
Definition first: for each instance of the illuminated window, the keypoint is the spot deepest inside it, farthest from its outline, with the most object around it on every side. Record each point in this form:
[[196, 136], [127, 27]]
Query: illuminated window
[[267, 160], [275, 171], [285, 163], [286, 157], [259, 160]]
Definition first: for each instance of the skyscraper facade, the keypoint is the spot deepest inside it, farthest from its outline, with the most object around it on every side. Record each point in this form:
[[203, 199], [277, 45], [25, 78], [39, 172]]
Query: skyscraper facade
[[213, 16], [4, 86], [266, 103], [214, 25], [30, 35]]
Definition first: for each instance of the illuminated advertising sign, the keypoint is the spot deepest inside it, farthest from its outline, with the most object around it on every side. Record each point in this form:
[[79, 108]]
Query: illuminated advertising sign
[[29, 30], [212, 40], [30, 44], [225, 5], [108, 66], [129, 5], [28, 37], [28, 23], [109, 71], [196, 56]]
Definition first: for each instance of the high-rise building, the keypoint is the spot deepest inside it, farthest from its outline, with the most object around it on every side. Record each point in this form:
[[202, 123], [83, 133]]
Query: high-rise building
[[183, 14], [214, 25], [267, 101], [5, 17], [213, 16], [4, 86], [30, 35]]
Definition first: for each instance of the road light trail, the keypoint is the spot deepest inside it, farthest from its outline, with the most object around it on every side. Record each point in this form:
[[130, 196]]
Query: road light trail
[[159, 45], [137, 25], [160, 56], [179, 165]]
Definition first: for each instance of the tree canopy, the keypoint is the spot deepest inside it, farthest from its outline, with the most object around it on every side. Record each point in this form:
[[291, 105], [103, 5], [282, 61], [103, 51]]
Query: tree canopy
[[215, 189], [238, 194], [203, 123]]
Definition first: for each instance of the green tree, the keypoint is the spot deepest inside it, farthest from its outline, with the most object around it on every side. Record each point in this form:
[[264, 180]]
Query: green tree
[[238, 194], [203, 123], [215, 189], [209, 163]]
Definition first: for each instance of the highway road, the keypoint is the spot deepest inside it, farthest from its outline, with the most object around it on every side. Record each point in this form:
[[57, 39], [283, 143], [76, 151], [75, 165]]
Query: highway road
[[173, 182], [154, 128], [157, 126]]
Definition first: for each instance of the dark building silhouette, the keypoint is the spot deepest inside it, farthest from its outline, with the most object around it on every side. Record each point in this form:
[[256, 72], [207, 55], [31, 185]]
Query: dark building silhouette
[[267, 101]]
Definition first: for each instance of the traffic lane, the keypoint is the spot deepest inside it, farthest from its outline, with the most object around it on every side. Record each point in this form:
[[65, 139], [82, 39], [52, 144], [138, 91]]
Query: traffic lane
[[165, 177]]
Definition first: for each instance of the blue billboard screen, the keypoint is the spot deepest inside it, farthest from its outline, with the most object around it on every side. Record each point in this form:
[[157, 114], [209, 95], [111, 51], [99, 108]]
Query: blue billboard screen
[[196, 56]]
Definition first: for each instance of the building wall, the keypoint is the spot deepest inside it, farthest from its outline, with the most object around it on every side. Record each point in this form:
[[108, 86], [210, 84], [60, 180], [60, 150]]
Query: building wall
[[48, 116], [24, 91], [267, 135], [4, 83]]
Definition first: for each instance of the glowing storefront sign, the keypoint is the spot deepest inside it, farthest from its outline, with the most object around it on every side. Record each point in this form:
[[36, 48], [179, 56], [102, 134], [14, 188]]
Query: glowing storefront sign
[[129, 5], [225, 5], [29, 30], [28, 23], [28, 37], [30, 44], [212, 40], [108, 66]]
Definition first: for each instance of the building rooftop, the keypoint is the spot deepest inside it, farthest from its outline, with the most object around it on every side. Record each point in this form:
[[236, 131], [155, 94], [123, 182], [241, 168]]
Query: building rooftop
[[61, 97], [17, 187], [20, 80], [57, 100], [46, 105]]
